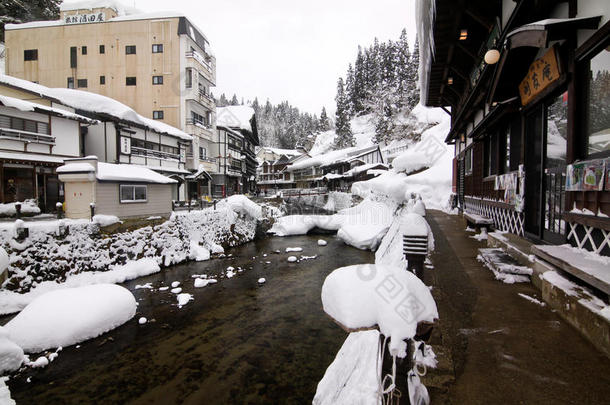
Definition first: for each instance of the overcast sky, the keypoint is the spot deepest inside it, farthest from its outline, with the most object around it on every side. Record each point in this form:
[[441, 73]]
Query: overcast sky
[[291, 50]]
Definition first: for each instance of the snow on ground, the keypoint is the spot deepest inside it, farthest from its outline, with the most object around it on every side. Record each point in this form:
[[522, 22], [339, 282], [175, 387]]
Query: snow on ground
[[362, 296], [338, 201], [531, 299], [593, 264], [199, 253], [85, 256], [70, 316], [352, 376], [27, 207], [363, 129]]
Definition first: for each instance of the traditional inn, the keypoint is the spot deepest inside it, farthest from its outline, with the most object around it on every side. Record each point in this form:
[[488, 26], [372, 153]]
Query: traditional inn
[[120, 136], [159, 64], [528, 83]]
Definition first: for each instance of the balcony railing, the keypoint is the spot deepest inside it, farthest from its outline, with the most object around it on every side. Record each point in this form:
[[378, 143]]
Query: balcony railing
[[199, 58], [154, 153], [26, 136], [198, 123]]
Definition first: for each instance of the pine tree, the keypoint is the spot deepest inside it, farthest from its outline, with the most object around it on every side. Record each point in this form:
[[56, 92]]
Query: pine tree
[[234, 100], [20, 11], [323, 125], [222, 101], [359, 92], [413, 89], [349, 91], [344, 137]]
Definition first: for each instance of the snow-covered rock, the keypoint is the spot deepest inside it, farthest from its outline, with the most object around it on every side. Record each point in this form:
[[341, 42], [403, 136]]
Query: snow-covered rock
[[183, 299], [261, 280], [322, 242], [292, 259], [362, 296], [27, 207], [142, 320], [11, 355], [198, 252], [294, 249], [71, 315], [352, 377], [244, 206]]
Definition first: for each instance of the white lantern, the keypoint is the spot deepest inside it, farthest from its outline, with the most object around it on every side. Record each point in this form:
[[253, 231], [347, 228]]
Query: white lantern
[[492, 56]]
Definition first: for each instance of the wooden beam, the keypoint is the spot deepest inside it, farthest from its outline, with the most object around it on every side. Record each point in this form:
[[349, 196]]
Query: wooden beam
[[446, 110], [467, 51], [480, 19]]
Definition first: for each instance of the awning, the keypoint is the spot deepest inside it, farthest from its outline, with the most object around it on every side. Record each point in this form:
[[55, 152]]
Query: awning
[[521, 47]]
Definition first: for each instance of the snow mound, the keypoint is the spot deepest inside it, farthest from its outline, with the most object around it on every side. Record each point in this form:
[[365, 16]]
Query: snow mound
[[352, 376], [244, 206], [184, 299], [322, 242], [292, 259], [362, 296], [11, 355], [200, 282], [70, 316], [27, 207], [105, 220]]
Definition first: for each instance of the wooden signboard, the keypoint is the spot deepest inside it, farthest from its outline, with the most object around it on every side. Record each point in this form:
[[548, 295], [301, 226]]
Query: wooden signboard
[[541, 74]]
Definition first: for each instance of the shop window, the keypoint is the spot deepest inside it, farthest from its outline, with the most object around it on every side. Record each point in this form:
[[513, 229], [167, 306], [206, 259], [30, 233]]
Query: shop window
[[133, 193], [557, 131], [30, 54], [597, 104]]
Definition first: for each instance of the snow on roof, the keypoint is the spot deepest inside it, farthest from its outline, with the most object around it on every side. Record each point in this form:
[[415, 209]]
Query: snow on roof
[[94, 103], [23, 105], [75, 168], [279, 151], [323, 159], [363, 168], [91, 4], [235, 116], [124, 172], [117, 172]]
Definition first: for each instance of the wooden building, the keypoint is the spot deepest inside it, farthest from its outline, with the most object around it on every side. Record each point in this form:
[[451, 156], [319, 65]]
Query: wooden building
[[528, 86]]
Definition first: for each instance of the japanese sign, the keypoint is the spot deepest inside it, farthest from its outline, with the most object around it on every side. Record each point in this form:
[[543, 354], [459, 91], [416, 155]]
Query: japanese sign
[[84, 18], [125, 145], [541, 74]]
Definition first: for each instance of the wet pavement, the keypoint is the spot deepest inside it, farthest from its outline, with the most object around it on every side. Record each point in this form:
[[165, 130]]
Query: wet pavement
[[497, 347], [236, 342]]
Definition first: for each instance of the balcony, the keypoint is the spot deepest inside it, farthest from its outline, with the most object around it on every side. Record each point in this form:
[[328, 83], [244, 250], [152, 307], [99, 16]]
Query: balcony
[[156, 154], [199, 128], [26, 136], [198, 62], [200, 97]]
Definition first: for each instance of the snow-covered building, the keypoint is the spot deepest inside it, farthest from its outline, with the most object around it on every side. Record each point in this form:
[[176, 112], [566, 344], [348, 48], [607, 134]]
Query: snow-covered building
[[121, 190], [240, 119], [158, 63], [120, 135], [34, 140], [229, 175], [318, 170], [272, 170]]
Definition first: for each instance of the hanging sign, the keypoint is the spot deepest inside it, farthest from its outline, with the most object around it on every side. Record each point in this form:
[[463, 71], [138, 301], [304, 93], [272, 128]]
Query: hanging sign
[[541, 74], [125, 145]]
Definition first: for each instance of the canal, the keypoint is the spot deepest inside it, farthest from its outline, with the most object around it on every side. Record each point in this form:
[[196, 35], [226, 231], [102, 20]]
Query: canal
[[235, 342]]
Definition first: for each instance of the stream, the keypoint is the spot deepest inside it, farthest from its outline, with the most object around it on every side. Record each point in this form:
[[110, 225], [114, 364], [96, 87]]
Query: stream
[[236, 342]]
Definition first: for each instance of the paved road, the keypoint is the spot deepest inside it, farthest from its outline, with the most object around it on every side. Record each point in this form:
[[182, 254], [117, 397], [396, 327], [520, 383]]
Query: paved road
[[496, 347]]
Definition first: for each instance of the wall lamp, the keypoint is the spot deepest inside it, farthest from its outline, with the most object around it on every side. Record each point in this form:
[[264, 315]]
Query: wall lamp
[[492, 56]]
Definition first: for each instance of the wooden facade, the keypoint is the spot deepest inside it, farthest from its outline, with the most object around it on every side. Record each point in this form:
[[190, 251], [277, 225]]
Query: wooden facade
[[530, 120]]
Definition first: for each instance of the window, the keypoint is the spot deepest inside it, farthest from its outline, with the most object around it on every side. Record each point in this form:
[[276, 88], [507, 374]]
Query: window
[[597, 117], [557, 131], [70, 82], [30, 54], [83, 50], [132, 193], [24, 125], [158, 115], [157, 79], [81, 83], [102, 79], [468, 161], [157, 48], [197, 118], [189, 78], [130, 50], [130, 81], [73, 57], [102, 49], [202, 153]]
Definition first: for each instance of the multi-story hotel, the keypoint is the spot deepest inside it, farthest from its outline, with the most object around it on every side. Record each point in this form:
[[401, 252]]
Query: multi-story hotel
[[160, 64]]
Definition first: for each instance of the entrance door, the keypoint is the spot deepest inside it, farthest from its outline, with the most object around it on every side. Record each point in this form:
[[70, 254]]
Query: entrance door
[[545, 161]]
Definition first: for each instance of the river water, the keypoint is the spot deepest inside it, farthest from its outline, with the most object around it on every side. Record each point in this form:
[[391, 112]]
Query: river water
[[236, 342]]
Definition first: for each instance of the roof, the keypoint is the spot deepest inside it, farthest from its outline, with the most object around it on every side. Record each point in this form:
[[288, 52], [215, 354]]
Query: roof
[[116, 172], [32, 157], [94, 104], [279, 151], [199, 173], [23, 105], [235, 116]]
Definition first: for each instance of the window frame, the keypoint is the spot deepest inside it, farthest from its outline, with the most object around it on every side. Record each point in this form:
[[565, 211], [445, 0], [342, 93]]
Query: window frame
[[102, 80], [157, 48], [134, 200], [130, 50], [80, 82], [102, 49], [30, 55], [157, 80], [83, 50], [127, 81], [158, 114], [70, 83]]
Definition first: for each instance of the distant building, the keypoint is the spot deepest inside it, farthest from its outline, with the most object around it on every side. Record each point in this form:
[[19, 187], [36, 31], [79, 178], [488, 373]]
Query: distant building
[[240, 119], [160, 64], [272, 170]]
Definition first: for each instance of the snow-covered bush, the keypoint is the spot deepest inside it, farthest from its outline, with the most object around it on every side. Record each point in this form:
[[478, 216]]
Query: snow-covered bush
[[28, 207]]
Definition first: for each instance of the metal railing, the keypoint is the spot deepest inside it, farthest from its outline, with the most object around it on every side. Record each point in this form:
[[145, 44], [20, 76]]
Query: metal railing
[[199, 58], [154, 153], [26, 136]]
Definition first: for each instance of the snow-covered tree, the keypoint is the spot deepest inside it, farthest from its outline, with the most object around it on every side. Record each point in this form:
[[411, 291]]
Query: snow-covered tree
[[323, 124], [344, 137], [20, 11], [234, 100]]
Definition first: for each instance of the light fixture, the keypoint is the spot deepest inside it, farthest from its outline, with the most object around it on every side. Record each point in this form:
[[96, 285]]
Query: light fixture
[[463, 34], [450, 80], [492, 56]]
